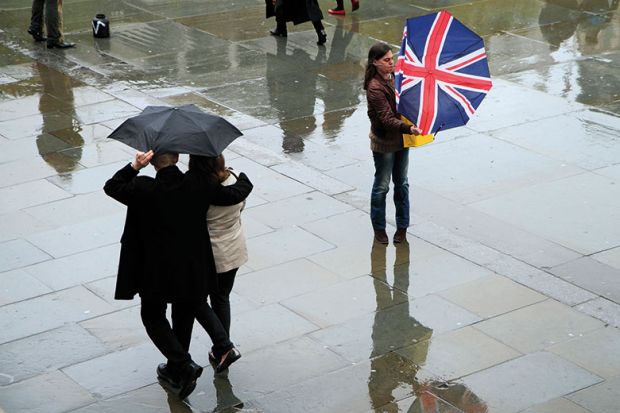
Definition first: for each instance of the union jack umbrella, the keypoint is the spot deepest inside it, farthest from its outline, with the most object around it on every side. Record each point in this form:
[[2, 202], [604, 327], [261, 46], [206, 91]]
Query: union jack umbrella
[[442, 73]]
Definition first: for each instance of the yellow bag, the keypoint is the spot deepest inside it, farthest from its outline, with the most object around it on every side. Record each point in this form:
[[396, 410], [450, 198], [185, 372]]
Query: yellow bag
[[411, 141]]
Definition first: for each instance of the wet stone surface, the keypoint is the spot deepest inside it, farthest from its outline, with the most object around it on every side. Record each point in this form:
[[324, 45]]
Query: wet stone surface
[[506, 297]]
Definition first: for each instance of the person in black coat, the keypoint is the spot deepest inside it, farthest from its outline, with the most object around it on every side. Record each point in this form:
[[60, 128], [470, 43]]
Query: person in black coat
[[296, 11], [166, 254]]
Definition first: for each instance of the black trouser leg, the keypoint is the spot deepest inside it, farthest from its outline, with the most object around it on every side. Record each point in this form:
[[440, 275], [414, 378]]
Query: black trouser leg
[[36, 17], [52, 21], [153, 313], [213, 326], [339, 4], [183, 323], [318, 26], [220, 301]]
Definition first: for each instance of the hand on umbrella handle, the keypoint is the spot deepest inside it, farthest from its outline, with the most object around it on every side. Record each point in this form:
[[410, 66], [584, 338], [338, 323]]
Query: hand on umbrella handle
[[142, 159], [415, 131]]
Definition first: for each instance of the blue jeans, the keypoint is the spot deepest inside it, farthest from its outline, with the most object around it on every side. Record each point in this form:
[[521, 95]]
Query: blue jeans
[[394, 165]]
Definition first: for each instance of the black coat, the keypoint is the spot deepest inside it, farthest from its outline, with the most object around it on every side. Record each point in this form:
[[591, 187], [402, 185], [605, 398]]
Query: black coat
[[165, 247], [296, 11]]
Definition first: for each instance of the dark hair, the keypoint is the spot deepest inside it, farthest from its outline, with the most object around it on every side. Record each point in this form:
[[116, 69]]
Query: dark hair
[[213, 166], [377, 51]]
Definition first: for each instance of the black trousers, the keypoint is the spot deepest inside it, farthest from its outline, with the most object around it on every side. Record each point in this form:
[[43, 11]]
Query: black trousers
[[220, 300], [173, 343], [52, 18]]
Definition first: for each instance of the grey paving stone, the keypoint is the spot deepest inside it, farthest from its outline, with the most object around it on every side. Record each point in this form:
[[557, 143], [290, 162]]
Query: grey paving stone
[[19, 253], [281, 246], [87, 180], [18, 285], [601, 398], [47, 352], [250, 332], [557, 405], [538, 326], [592, 275], [388, 329], [117, 372], [48, 393], [441, 315], [77, 269], [79, 237], [458, 353], [533, 379], [312, 178], [341, 302], [293, 278], [537, 209], [605, 310], [29, 194], [491, 296], [596, 351], [554, 287], [297, 210], [49, 311], [610, 257]]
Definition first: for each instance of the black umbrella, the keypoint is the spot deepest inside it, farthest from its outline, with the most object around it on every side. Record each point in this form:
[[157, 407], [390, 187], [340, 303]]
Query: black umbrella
[[183, 129]]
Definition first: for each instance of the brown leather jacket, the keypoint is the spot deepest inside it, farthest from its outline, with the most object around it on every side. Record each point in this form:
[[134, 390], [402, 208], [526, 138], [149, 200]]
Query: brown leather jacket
[[386, 128]]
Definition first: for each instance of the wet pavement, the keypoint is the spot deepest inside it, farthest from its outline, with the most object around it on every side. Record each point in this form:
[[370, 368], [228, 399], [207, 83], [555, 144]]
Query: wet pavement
[[506, 298]]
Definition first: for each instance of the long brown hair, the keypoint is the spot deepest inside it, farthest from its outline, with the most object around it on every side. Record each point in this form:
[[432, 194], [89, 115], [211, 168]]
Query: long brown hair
[[377, 51], [213, 166]]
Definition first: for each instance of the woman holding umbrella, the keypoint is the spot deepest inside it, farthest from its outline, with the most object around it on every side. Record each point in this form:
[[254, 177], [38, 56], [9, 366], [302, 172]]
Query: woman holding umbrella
[[391, 158]]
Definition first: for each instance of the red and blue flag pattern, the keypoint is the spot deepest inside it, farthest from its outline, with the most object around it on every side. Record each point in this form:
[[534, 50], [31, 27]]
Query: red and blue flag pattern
[[442, 72]]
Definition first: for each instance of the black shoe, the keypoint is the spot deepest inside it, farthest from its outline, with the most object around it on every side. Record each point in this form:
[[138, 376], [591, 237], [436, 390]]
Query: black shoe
[[168, 379], [232, 356], [37, 36], [212, 360], [190, 375], [59, 45], [322, 37], [278, 33]]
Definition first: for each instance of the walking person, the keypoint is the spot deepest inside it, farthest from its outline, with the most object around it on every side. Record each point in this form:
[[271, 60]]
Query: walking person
[[229, 253], [339, 9], [52, 9], [390, 157], [297, 11], [166, 254]]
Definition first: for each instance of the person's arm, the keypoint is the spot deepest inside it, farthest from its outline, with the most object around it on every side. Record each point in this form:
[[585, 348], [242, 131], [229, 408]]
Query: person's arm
[[232, 194], [378, 100], [122, 185]]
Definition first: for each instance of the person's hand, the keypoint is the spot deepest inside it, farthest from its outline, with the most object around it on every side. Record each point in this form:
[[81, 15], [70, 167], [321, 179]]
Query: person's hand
[[415, 131], [273, 2], [142, 159]]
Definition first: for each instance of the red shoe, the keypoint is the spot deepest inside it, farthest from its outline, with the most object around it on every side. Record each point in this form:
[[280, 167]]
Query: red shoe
[[355, 4], [337, 11]]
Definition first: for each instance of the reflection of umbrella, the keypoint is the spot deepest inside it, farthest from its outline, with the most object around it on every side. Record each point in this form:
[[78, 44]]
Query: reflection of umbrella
[[442, 73], [183, 129]]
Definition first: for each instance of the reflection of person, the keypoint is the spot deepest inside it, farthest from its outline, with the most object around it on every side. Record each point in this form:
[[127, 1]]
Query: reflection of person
[[225, 397], [392, 313], [58, 87], [53, 23], [166, 254], [339, 9], [229, 252], [390, 157], [296, 11], [292, 102], [337, 94]]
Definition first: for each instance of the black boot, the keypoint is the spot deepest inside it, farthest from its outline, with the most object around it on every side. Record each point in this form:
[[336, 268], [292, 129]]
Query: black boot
[[280, 30], [320, 32]]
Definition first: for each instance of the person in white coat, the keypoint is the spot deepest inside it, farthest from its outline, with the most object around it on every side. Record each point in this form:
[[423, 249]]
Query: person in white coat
[[228, 244]]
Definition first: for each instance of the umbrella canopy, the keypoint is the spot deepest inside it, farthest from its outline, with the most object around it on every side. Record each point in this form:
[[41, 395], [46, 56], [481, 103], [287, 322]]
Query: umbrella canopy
[[183, 129], [442, 73]]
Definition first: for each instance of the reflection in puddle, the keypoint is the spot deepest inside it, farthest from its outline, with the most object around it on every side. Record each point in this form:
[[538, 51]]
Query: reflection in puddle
[[393, 377], [58, 87]]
